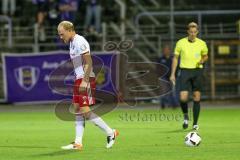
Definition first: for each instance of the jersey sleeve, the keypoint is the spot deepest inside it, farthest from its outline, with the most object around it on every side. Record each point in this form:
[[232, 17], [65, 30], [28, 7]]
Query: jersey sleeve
[[177, 49], [204, 49], [82, 47]]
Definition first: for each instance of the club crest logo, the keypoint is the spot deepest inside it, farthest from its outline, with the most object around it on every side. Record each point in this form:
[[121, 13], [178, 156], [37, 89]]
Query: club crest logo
[[27, 76], [103, 77]]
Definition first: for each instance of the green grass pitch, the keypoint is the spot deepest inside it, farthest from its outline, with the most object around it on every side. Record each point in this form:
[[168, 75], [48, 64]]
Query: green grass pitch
[[145, 134]]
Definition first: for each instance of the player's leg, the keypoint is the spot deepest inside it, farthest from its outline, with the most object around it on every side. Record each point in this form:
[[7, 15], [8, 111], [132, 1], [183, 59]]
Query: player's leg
[[98, 121], [80, 124], [163, 102], [95, 119], [173, 100], [12, 7], [197, 85], [184, 107], [5, 7], [184, 81], [79, 121], [79, 130], [196, 108], [97, 18], [88, 18], [111, 133], [87, 99]]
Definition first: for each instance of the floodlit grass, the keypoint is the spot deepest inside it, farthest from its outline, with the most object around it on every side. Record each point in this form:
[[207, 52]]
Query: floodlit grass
[[145, 134]]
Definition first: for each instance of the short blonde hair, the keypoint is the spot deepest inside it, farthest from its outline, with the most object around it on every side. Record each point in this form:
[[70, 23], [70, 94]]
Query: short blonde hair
[[192, 25], [67, 25]]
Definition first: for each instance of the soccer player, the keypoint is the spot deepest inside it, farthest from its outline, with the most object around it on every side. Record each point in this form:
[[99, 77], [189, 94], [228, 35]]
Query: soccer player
[[193, 54], [84, 86], [166, 59]]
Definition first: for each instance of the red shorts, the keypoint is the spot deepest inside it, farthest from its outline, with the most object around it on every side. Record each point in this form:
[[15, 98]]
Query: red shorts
[[87, 97]]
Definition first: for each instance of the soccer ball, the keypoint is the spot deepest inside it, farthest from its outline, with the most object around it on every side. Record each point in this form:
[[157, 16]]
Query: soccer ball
[[192, 139]]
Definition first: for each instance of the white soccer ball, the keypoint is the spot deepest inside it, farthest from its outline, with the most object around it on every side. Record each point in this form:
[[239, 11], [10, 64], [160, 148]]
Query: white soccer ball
[[192, 139]]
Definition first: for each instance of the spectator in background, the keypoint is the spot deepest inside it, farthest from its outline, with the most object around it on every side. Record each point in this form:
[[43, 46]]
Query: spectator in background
[[67, 12], [42, 9], [53, 13], [8, 7], [171, 98], [93, 15], [68, 9]]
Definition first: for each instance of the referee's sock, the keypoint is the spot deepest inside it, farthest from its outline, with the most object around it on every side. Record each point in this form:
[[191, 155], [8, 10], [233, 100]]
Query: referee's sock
[[184, 106], [196, 111]]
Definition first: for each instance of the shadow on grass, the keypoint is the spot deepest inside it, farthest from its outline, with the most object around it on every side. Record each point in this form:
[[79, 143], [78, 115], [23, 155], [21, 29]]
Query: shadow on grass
[[56, 153], [178, 131], [24, 147]]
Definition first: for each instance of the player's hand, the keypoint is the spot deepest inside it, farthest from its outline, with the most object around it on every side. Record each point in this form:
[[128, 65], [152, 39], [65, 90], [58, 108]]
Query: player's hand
[[173, 79], [83, 86], [200, 63]]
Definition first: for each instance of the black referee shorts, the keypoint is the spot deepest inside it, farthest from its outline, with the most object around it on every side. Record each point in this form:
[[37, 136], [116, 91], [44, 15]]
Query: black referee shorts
[[190, 79]]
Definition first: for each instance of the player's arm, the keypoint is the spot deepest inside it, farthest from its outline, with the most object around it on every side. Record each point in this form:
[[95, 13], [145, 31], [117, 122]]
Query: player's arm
[[87, 66], [203, 59], [177, 52], [204, 54], [174, 68]]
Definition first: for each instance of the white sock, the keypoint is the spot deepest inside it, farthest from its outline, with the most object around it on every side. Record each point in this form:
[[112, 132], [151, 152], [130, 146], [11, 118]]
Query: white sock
[[80, 125], [98, 121]]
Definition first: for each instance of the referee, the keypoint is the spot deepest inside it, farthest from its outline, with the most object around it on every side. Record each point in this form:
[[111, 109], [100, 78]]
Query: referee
[[193, 54]]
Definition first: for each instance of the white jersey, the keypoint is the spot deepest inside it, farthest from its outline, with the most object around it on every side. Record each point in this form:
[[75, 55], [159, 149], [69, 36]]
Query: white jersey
[[79, 46]]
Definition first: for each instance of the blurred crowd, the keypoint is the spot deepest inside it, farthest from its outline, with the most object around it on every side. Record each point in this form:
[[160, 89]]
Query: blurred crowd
[[87, 13]]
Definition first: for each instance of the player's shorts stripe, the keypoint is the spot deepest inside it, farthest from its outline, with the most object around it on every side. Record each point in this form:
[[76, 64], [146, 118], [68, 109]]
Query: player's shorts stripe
[[89, 94]]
